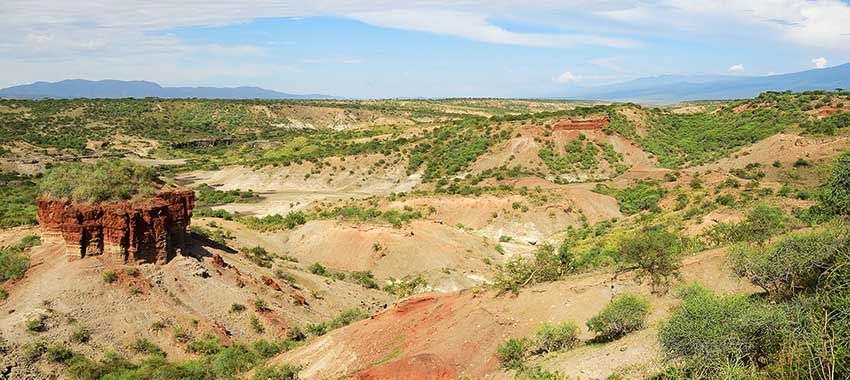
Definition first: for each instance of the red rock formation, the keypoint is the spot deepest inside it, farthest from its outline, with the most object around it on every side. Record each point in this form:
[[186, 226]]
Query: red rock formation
[[153, 230], [577, 125]]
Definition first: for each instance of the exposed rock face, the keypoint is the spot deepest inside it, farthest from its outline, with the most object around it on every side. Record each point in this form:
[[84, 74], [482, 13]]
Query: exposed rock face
[[577, 125], [153, 231]]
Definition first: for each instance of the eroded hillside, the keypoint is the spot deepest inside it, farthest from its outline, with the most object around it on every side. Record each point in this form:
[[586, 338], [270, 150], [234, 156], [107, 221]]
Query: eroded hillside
[[418, 239]]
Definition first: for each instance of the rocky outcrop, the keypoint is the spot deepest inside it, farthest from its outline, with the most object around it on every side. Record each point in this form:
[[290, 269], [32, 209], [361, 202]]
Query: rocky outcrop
[[578, 125], [153, 230]]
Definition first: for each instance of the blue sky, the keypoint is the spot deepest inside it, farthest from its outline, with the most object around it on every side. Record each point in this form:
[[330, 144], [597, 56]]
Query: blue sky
[[416, 48]]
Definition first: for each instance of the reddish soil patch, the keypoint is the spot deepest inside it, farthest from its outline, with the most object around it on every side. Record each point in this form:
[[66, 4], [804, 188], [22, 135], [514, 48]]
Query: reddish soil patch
[[417, 367], [581, 125]]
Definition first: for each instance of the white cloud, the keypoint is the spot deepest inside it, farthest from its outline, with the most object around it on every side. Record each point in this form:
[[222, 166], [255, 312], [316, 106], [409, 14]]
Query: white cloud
[[475, 26], [566, 77], [736, 68], [131, 38], [820, 62]]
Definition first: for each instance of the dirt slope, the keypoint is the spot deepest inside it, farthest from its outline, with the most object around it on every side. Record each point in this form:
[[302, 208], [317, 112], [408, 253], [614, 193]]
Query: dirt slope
[[444, 336]]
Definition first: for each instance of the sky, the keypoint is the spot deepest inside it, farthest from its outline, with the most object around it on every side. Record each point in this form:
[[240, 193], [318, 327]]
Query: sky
[[417, 48]]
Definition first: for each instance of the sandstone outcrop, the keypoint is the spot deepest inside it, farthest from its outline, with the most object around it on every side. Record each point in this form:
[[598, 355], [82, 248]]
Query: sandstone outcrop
[[152, 231], [578, 125]]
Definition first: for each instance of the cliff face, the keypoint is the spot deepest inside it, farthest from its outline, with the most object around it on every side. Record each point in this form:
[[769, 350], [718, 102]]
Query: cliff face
[[152, 231], [577, 125]]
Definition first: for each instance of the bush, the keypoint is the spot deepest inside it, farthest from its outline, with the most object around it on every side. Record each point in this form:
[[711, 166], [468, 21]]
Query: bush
[[58, 353], [555, 337], [513, 353], [265, 348], [708, 331], [19, 194], [256, 325], [624, 314], [760, 224], [81, 334], [259, 256], [835, 197], [406, 286], [640, 197], [654, 253], [144, 346], [208, 345], [109, 276], [37, 324], [548, 264], [103, 180], [319, 269], [365, 279], [284, 372], [261, 305], [793, 265]]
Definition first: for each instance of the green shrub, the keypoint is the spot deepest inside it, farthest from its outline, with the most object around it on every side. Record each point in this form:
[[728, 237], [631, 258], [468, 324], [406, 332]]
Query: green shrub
[[37, 324], [109, 276], [81, 334], [19, 194], [640, 197], [58, 353], [237, 308], [144, 346], [555, 337], [537, 373], [344, 318], [548, 264], [513, 353], [261, 305], [624, 314], [265, 349], [406, 286], [209, 196], [208, 345], [791, 266], [319, 269], [103, 180], [365, 279], [708, 331], [835, 197], [274, 222], [653, 252], [33, 351], [761, 224], [182, 335], [256, 325], [284, 372], [259, 256]]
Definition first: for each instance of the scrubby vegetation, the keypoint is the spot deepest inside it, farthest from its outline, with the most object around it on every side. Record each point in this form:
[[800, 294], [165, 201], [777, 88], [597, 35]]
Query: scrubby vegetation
[[19, 194], [13, 261], [209, 196], [103, 180], [653, 252], [761, 223], [624, 314]]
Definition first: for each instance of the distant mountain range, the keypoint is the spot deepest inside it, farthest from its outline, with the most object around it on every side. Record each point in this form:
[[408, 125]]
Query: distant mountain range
[[675, 88], [112, 89]]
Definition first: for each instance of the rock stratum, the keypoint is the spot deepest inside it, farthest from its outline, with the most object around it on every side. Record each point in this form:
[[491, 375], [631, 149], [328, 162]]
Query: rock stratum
[[150, 231]]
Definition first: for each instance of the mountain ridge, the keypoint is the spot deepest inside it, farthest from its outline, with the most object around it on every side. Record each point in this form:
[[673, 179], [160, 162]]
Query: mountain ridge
[[116, 89], [673, 88]]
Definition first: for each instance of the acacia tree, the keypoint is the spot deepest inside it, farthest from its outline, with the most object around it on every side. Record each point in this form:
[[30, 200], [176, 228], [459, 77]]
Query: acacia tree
[[654, 253]]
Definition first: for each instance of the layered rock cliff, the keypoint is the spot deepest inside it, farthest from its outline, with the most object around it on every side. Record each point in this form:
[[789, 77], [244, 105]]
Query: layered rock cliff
[[153, 230]]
